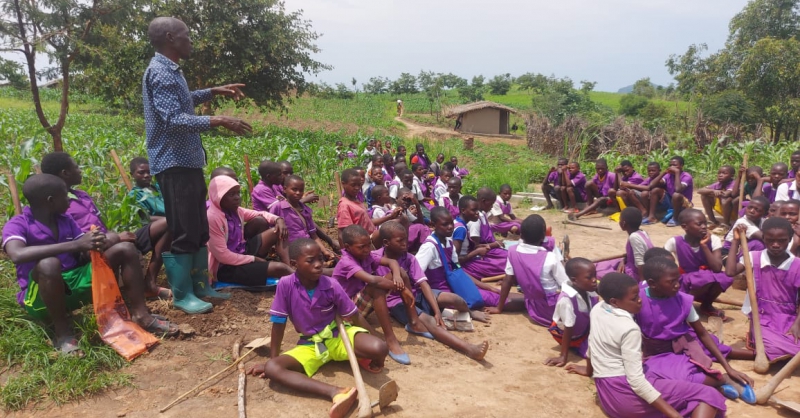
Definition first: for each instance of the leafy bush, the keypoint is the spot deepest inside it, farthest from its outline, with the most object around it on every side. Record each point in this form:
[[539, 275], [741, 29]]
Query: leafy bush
[[632, 104]]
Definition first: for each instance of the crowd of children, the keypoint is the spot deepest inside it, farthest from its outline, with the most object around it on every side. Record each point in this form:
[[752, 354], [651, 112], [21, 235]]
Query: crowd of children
[[411, 246]]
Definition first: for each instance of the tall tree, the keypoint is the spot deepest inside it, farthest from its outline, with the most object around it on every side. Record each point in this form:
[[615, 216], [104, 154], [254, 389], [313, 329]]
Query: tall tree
[[500, 84]]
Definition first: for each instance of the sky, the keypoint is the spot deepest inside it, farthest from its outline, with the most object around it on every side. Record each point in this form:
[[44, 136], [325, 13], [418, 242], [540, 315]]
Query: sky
[[611, 42]]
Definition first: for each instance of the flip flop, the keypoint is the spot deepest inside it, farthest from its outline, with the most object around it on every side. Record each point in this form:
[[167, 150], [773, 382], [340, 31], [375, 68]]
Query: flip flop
[[69, 346], [729, 392], [342, 403], [366, 365], [400, 358], [162, 328], [671, 223], [424, 334], [647, 222], [748, 395]]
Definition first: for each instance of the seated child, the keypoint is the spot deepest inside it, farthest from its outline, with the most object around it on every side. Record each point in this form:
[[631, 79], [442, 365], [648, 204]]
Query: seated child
[[356, 273], [362, 173], [776, 274], [430, 259], [351, 151], [426, 302], [418, 231], [625, 179], [266, 192], [790, 210], [400, 156], [388, 167], [420, 186], [722, 190], [436, 166], [369, 152], [552, 183], [699, 254], [794, 161], [615, 362], [350, 210], [770, 184], [420, 157], [440, 188], [601, 191], [538, 272], [312, 302], [450, 200], [287, 169], [492, 262], [154, 236], [375, 179], [50, 252], [639, 242], [754, 216], [678, 189], [570, 325], [298, 217], [573, 187], [652, 185], [501, 218], [232, 258], [753, 181], [788, 190], [459, 172]]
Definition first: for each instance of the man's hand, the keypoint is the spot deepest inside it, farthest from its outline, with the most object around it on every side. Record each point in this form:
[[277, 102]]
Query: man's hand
[[93, 240], [309, 197], [238, 126], [229, 90], [127, 236]]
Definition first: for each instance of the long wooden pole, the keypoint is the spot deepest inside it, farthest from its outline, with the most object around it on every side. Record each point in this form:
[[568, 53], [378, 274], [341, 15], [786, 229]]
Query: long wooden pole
[[240, 393], [761, 365], [364, 404], [121, 170], [742, 181], [247, 172], [12, 186]]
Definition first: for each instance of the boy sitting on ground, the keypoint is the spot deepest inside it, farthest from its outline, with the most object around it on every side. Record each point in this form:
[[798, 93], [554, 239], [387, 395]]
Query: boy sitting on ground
[[49, 251]]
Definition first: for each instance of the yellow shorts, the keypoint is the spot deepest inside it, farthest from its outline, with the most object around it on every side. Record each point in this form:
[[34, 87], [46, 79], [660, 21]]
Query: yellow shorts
[[305, 354]]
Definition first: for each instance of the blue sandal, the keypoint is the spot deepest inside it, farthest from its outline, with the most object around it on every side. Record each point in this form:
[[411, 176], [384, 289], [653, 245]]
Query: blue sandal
[[424, 334]]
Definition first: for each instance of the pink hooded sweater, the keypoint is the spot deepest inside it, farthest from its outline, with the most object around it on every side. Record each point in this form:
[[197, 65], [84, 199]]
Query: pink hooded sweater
[[218, 226]]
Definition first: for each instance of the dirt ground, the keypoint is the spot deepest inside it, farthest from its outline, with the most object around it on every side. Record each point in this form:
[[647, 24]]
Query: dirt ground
[[439, 382], [434, 132]]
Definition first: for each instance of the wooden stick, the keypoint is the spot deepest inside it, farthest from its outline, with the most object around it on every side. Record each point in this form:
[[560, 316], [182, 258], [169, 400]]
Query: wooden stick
[[608, 258], [37, 169], [763, 394], [742, 181], [571, 222], [12, 186], [364, 404], [761, 365], [725, 301], [242, 380], [118, 163], [247, 170], [493, 278], [338, 184]]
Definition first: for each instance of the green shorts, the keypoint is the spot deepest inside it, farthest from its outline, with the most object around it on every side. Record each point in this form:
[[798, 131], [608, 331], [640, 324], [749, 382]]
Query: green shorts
[[78, 292], [305, 354]]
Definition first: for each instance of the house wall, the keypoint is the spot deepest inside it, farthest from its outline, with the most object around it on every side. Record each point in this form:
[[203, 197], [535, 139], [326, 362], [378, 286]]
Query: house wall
[[483, 121]]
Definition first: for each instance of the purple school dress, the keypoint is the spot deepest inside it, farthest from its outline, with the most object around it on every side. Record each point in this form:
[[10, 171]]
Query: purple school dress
[[694, 275], [630, 261], [452, 208], [528, 271], [618, 400], [608, 266], [491, 264], [504, 227], [580, 331], [670, 346], [417, 234], [437, 278], [549, 244], [776, 292]]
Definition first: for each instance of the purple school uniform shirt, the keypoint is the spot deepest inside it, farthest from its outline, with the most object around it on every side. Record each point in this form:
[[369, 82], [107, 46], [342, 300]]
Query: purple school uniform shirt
[[33, 233], [634, 178], [83, 210], [408, 263], [685, 178], [769, 192], [299, 225], [604, 185], [236, 242], [553, 178], [719, 186], [310, 314], [579, 182], [348, 266], [264, 196]]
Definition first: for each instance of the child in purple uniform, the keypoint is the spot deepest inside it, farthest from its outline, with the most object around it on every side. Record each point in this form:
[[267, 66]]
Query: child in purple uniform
[[628, 185], [501, 218], [794, 161], [672, 336], [678, 189], [776, 274], [480, 234], [427, 301], [267, 192], [722, 190], [551, 184], [699, 254], [754, 216], [630, 221], [312, 302], [770, 184], [356, 273], [601, 192], [450, 200], [615, 362], [573, 187], [440, 187], [538, 272], [460, 172], [570, 325], [49, 251]]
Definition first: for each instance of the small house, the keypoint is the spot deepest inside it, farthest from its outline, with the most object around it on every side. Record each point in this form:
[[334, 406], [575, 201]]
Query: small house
[[481, 117]]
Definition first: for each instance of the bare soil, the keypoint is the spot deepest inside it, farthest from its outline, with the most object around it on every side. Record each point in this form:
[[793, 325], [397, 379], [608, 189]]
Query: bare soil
[[440, 382], [434, 132]]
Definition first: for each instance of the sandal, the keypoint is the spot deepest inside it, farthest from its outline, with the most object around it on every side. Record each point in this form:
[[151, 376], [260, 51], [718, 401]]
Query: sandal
[[342, 403], [69, 346], [162, 328], [162, 294], [366, 365]]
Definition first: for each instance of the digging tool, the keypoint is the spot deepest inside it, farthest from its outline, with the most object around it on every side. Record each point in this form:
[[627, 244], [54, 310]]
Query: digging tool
[[364, 405], [242, 381], [338, 181], [742, 181], [493, 278], [571, 222], [260, 342], [12, 187], [763, 394], [247, 170], [386, 395], [122, 173], [611, 257], [565, 247], [726, 301], [792, 406], [761, 365]]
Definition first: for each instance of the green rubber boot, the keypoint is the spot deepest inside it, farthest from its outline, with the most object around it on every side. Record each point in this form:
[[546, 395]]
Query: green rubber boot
[[202, 288], [178, 267]]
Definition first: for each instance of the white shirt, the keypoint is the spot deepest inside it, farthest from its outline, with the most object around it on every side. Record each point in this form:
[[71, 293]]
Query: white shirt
[[615, 349], [564, 315], [639, 247], [417, 189], [428, 254], [439, 190], [497, 210], [394, 188], [440, 200], [379, 211], [553, 274], [764, 262], [751, 228], [785, 190], [474, 227]]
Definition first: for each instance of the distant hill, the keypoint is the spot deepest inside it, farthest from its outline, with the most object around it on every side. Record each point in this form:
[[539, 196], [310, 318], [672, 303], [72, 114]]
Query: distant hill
[[629, 89]]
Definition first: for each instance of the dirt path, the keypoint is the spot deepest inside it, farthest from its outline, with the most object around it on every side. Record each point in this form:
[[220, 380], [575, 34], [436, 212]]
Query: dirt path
[[415, 130], [439, 382]]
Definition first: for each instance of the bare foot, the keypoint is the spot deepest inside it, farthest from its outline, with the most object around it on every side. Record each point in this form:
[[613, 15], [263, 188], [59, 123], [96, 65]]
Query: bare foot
[[479, 316], [478, 352]]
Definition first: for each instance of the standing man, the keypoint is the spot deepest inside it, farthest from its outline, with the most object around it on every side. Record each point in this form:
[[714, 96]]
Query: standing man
[[177, 158]]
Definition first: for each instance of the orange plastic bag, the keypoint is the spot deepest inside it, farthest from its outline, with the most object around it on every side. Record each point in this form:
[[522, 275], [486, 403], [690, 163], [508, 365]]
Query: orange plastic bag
[[113, 319]]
